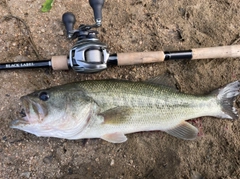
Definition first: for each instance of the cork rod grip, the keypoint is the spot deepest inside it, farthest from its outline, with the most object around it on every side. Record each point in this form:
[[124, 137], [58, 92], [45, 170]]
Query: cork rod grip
[[216, 52], [140, 57], [59, 62]]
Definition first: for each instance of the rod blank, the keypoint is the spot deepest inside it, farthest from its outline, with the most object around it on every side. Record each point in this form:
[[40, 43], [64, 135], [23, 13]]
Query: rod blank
[[56, 62], [29, 64]]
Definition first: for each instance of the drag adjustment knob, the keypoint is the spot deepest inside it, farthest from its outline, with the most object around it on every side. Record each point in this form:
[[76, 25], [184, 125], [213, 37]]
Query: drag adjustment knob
[[69, 20]]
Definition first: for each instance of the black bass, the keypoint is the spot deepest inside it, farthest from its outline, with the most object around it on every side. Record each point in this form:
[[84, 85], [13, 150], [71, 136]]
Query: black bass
[[109, 109]]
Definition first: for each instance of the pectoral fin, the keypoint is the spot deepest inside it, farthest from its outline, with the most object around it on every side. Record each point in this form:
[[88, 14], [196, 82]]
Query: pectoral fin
[[184, 130], [116, 137], [117, 115]]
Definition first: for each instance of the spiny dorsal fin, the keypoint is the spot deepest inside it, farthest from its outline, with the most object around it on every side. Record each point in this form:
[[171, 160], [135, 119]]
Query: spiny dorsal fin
[[117, 137], [165, 79], [184, 130]]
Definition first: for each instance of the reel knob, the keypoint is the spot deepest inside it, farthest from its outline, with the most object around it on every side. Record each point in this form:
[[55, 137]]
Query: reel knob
[[69, 20], [97, 6]]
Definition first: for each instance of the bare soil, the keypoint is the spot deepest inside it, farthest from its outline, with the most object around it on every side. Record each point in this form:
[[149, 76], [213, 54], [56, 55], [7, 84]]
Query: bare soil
[[128, 26]]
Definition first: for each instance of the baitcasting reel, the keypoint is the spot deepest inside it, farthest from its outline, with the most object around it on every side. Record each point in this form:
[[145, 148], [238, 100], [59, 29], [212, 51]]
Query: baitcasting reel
[[88, 55]]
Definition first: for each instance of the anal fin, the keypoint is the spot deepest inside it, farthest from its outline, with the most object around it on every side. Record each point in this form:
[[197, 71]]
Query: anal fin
[[184, 130], [117, 137]]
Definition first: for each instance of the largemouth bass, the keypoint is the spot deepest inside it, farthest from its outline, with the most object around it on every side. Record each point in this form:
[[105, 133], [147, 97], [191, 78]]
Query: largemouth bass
[[109, 109]]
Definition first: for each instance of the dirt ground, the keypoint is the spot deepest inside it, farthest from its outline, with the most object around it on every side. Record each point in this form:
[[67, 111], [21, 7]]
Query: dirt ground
[[128, 26]]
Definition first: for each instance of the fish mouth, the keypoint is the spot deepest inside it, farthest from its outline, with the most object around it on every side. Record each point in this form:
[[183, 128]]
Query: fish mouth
[[30, 112]]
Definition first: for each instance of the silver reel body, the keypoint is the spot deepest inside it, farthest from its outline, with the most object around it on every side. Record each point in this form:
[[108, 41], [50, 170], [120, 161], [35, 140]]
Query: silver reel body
[[88, 55]]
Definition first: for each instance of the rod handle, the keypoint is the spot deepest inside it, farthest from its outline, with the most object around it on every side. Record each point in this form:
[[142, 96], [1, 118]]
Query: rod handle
[[216, 52], [59, 62], [140, 57]]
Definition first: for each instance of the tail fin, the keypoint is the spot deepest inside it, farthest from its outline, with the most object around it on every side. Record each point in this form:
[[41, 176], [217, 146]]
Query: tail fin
[[226, 97]]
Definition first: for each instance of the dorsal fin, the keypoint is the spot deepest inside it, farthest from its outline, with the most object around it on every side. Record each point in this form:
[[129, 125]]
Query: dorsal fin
[[166, 79]]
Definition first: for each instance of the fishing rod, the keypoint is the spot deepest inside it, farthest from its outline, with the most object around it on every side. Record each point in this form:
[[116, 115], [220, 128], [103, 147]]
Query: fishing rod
[[90, 55]]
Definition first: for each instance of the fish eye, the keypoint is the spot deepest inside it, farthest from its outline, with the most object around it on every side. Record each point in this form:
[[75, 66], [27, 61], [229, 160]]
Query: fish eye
[[44, 96]]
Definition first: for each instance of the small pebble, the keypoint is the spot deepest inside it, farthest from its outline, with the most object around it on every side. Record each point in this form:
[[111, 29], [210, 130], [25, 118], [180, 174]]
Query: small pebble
[[112, 162], [60, 32], [4, 138], [25, 174], [14, 44], [48, 159], [21, 58]]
